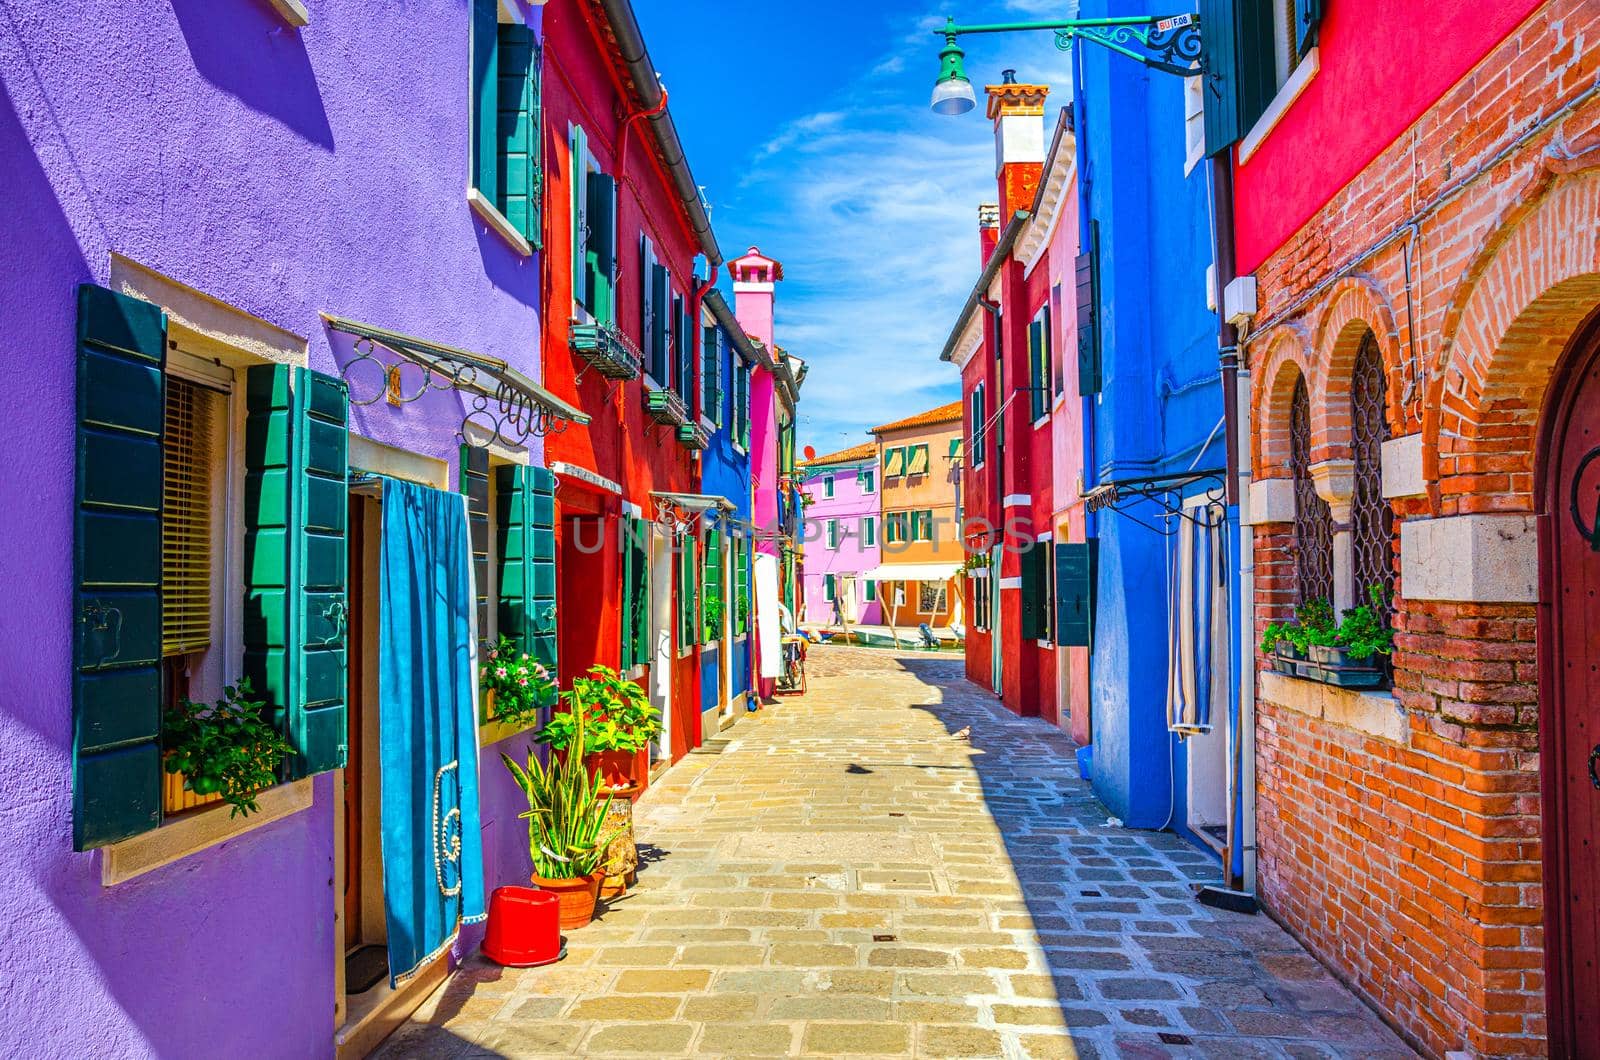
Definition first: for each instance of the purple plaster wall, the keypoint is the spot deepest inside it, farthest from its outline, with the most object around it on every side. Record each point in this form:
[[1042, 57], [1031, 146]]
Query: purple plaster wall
[[284, 172], [850, 506]]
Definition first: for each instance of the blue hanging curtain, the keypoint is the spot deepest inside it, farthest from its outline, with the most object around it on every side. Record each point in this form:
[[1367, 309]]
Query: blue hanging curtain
[[1197, 609], [427, 725]]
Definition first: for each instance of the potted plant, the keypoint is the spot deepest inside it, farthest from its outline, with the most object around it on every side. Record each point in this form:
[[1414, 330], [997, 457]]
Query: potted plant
[[617, 722], [1277, 646], [515, 686], [566, 830], [1362, 635], [224, 748]]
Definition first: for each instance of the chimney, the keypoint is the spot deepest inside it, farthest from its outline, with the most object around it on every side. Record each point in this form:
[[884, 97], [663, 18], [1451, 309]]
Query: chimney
[[988, 231], [755, 277], [1018, 115]]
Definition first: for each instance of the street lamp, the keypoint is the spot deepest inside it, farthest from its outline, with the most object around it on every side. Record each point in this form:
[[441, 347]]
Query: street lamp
[[1171, 44], [952, 93]]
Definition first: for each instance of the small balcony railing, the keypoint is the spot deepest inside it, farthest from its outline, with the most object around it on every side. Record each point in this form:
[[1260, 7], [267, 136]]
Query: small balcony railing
[[665, 406], [693, 435], [610, 351]]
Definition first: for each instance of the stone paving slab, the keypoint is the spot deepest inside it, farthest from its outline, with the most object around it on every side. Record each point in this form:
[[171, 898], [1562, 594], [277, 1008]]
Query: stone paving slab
[[848, 879]]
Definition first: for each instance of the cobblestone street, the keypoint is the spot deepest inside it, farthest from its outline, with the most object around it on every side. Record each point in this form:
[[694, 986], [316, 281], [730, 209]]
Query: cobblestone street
[[847, 877]]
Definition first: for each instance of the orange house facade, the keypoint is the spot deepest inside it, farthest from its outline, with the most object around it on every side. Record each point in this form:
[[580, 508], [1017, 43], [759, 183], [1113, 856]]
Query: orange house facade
[[919, 465]]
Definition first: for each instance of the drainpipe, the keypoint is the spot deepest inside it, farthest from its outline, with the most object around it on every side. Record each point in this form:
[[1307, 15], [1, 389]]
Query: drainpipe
[[627, 126]]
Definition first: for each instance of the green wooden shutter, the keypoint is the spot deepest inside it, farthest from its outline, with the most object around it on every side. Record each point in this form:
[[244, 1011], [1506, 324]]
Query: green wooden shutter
[[517, 133], [296, 469], [485, 48], [743, 558], [647, 304], [1075, 564], [1035, 383], [711, 374], [1087, 281], [686, 592], [116, 687], [578, 173], [625, 564], [1032, 564], [1240, 65], [711, 587], [661, 324], [475, 485], [683, 349], [634, 623], [1308, 19], [601, 256], [525, 517]]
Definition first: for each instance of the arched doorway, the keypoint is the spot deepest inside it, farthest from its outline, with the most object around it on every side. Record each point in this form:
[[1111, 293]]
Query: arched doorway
[[1569, 659]]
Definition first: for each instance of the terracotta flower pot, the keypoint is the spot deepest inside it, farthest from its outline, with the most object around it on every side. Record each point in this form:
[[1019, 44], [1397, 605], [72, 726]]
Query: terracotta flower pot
[[615, 769], [575, 897]]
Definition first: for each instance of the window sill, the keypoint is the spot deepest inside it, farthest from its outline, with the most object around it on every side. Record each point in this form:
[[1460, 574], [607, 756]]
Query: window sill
[[1042, 421], [499, 222], [494, 731], [292, 12], [1375, 713], [1280, 104], [194, 832]]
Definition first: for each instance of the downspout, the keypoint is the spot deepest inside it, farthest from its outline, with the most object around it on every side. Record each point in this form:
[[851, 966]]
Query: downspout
[[627, 126]]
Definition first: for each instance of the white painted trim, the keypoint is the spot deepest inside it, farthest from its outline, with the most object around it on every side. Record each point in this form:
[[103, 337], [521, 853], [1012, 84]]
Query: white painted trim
[[1041, 229], [206, 325], [1048, 535], [292, 12], [196, 831], [1280, 104], [1042, 421], [381, 459], [1015, 500], [1011, 583], [499, 222], [971, 338]]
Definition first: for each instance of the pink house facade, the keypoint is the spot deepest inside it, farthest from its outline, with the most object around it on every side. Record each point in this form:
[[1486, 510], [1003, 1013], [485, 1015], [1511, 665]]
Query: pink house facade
[[841, 537]]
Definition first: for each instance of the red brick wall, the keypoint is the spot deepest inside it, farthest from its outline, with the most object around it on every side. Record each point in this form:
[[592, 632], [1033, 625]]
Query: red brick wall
[[1412, 866]]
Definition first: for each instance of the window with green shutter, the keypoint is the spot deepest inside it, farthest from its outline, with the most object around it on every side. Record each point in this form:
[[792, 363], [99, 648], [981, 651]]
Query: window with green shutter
[[1086, 272], [829, 590], [506, 137], [474, 485], [1034, 562], [742, 558], [297, 472], [976, 428], [869, 531], [1075, 572], [683, 349], [870, 590], [711, 343], [524, 500], [894, 462], [687, 602], [1039, 364], [116, 692], [711, 587], [1251, 48], [600, 248], [635, 534], [917, 460]]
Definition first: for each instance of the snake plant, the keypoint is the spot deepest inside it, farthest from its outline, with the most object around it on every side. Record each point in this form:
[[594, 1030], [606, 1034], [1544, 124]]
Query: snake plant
[[566, 816]]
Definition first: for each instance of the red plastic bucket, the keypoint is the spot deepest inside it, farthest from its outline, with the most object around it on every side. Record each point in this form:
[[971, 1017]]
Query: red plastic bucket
[[524, 928]]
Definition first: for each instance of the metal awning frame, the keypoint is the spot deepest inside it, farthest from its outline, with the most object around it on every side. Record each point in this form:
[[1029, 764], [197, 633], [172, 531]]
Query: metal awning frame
[[677, 513], [1165, 491], [504, 403]]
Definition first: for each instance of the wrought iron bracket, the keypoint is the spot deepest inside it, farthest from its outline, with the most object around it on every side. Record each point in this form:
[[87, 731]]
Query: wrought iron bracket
[[1165, 491], [1171, 43]]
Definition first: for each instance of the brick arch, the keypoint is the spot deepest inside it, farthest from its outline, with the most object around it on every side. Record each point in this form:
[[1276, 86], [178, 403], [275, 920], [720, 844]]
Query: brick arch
[[1285, 361], [1355, 306], [1540, 282]]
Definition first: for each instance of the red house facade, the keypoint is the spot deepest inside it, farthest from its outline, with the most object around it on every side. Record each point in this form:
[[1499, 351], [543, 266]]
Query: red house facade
[[629, 251]]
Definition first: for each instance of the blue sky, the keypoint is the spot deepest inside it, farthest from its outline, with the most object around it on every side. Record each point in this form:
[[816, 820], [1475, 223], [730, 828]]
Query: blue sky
[[808, 127]]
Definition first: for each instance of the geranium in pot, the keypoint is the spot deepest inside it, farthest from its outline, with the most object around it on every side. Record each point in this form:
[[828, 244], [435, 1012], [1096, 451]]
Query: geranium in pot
[[567, 834], [618, 724]]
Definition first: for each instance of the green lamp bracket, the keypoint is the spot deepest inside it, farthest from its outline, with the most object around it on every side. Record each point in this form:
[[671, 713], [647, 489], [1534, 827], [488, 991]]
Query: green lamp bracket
[[1170, 43]]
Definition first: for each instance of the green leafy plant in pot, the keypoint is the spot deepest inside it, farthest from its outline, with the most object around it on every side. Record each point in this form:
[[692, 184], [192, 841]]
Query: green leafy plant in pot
[[516, 685], [224, 748], [567, 834], [616, 720]]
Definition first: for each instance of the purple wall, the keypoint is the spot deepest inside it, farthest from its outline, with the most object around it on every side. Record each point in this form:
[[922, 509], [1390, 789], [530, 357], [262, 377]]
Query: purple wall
[[849, 505], [283, 172]]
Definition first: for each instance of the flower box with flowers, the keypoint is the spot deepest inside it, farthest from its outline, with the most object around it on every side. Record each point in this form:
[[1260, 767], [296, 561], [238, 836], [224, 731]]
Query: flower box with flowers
[[516, 686]]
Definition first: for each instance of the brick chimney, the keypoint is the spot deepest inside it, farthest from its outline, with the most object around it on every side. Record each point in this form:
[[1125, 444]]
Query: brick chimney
[[988, 231], [1018, 115], [755, 278]]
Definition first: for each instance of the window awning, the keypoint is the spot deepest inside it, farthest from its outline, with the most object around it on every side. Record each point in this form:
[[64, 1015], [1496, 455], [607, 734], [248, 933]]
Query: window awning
[[694, 502], [913, 572], [504, 403]]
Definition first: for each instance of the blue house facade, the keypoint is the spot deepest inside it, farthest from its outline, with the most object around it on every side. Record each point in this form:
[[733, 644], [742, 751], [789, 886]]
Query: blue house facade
[[725, 474], [1155, 449]]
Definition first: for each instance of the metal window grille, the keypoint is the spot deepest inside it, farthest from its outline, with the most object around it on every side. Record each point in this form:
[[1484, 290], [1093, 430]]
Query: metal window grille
[[1371, 517], [1313, 522]]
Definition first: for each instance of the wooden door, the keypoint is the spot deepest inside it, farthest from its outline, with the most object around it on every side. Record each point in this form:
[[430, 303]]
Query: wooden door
[[1569, 640]]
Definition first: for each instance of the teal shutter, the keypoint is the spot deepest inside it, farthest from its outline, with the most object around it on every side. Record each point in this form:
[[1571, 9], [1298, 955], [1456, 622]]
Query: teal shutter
[[116, 681], [475, 485], [485, 47], [517, 135], [661, 324], [601, 256], [743, 557], [1033, 575], [711, 374], [296, 470], [1308, 19], [1037, 402], [1086, 274], [1075, 564], [635, 591], [683, 350], [711, 587], [1240, 65], [525, 511], [578, 173]]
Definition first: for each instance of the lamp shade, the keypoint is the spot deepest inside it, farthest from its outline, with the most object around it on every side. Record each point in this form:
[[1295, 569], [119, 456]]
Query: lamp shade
[[952, 93]]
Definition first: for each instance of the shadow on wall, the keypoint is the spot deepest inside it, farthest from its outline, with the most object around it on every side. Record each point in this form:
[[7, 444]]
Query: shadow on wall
[[249, 52]]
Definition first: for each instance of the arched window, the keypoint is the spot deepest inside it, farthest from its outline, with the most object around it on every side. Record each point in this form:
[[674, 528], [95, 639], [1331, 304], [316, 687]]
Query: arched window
[[1371, 518], [1313, 521]]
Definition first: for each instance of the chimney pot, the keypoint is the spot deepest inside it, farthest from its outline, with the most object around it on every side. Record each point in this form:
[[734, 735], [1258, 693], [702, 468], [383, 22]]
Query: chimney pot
[[1008, 77]]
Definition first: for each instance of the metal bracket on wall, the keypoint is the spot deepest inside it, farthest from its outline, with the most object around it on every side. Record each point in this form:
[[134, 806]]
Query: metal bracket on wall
[[1165, 491]]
